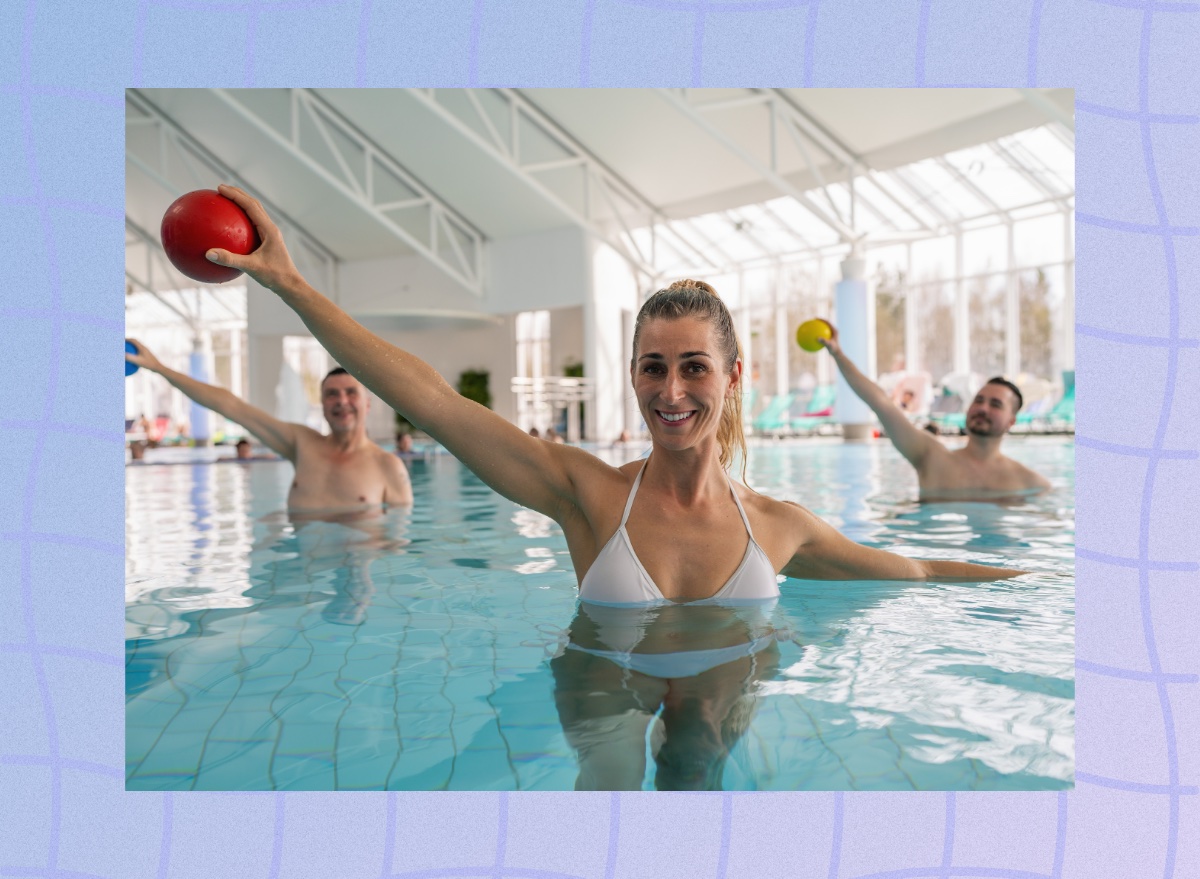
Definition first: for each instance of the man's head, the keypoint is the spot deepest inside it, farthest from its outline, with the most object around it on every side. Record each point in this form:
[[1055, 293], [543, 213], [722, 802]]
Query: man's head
[[994, 410], [243, 449], [404, 442], [344, 401]]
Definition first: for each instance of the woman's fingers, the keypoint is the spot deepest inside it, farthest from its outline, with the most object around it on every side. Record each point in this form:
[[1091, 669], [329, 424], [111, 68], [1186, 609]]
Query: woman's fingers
[[225, 258], [254, 210], [269, 264]]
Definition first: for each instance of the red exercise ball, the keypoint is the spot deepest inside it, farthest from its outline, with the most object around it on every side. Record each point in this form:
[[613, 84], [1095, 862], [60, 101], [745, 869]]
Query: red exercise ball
[[198, 221]]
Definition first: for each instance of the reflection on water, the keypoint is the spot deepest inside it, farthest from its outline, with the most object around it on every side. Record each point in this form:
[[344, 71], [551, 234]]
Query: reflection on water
[[685, 675], [444, 647]]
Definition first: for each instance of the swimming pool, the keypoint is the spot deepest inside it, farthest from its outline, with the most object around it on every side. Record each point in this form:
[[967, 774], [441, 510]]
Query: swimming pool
[[437, 648]]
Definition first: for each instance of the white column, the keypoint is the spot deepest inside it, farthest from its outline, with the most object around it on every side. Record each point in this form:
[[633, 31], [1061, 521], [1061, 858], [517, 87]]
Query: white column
[[962, 314], [913, 360], [633, 415], [743, 325], [1012, 309], [265, 353], [825, 367], [200, 368], [593, 358], [855, 310], [781, 340], [235, 363]]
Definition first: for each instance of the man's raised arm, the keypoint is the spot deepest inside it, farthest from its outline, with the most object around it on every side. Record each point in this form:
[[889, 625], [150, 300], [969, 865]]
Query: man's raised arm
[[279, 436], [912, 443]]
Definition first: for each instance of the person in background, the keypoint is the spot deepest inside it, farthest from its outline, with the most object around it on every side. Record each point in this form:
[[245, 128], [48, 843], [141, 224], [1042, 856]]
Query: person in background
[[344, 470], [978, 469]]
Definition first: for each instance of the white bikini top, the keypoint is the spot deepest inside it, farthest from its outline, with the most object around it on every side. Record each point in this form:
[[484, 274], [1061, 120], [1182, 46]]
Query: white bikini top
[[618, 577]]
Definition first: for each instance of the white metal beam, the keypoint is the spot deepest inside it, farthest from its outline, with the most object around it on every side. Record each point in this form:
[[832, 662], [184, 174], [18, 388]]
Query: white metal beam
[[611, 209], [966, 182], [171, 164], [702, 116], [1020, 164], [446, 238]]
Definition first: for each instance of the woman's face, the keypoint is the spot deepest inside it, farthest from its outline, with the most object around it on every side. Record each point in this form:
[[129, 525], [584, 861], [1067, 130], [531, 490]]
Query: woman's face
[[680, 380]]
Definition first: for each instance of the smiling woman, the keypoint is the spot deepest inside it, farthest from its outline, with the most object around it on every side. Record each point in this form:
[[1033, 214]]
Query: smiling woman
[[674, 529], [694, 529], [693, 302]]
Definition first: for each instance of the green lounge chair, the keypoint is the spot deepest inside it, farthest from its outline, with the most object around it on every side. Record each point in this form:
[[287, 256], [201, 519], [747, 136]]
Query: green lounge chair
[[1062, 416], [818, 412], [773, 420], [950, 421]]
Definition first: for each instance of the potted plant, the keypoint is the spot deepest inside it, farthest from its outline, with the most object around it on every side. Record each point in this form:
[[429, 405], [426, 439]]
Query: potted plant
[[473, 384]]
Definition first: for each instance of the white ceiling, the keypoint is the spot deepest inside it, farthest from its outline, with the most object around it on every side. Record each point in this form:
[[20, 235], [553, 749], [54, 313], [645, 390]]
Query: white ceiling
[[640, 135]]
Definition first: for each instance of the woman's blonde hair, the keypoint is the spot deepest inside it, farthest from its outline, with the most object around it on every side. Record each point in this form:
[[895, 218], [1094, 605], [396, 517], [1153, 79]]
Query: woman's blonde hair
[[697, 299]]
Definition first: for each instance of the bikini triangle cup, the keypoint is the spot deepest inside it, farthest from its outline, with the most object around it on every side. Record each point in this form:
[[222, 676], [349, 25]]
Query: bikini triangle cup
[[617, 576]]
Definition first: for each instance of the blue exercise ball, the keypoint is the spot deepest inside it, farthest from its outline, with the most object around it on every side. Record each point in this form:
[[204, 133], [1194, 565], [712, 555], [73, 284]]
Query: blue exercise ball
[[130, 348]]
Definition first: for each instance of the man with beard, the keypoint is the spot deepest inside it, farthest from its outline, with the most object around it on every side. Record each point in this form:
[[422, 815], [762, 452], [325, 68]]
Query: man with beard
[[341, 471], [978, 468]]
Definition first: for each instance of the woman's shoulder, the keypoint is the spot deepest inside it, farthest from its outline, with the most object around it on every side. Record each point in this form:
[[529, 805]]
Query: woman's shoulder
[[775, 512], [593, 477]]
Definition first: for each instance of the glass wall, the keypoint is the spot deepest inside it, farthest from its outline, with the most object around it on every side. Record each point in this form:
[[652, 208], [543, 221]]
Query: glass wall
[[959, 328], [975, 279]]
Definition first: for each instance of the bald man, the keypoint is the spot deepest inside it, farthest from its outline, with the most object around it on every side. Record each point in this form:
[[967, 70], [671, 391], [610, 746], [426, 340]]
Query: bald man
[[978, 469], [344, 470]]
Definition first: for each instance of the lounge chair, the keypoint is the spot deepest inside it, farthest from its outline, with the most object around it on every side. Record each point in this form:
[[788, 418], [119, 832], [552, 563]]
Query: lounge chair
[[818, 412], [773, 420], [1062, 417]]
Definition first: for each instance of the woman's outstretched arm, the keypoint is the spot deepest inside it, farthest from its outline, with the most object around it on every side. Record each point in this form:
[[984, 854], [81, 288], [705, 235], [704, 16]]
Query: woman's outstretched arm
[[827, 554], [529, 471]]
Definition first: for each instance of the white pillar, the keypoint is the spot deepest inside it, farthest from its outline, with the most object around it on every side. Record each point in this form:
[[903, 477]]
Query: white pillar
[[782, 332], [199, 368], [633, 415], [825, 367], [594, 360], [913, 361], [743, 323], [962, 314], [1012, 310], [855, 310]]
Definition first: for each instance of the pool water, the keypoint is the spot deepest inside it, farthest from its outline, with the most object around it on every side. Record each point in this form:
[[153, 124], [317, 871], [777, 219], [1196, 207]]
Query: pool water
[[444, 647]]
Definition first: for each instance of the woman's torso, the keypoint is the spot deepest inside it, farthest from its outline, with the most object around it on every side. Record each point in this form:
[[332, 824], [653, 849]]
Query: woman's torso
[[662, 553]]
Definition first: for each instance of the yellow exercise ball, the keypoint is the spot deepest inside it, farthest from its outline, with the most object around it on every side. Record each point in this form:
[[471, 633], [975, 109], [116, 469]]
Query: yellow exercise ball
[[809, 334]]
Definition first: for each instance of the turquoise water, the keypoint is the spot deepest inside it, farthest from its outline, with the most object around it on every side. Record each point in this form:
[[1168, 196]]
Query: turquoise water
[[440, 648]]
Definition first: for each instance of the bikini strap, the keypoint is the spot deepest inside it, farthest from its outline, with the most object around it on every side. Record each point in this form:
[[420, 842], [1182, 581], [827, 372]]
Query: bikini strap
[[745, 518], [632, 493]]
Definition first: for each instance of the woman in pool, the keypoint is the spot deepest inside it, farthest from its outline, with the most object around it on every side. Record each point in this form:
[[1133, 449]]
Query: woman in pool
[[693, 533], [674, 528]]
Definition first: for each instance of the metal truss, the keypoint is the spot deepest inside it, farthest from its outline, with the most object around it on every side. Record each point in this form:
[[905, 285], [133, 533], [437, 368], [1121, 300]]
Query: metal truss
[[176, 162], [783, 120], [535, 148], [1024, 162], [154, 266], [336, 151], [148, 270], [966, 183], [842, 153]]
